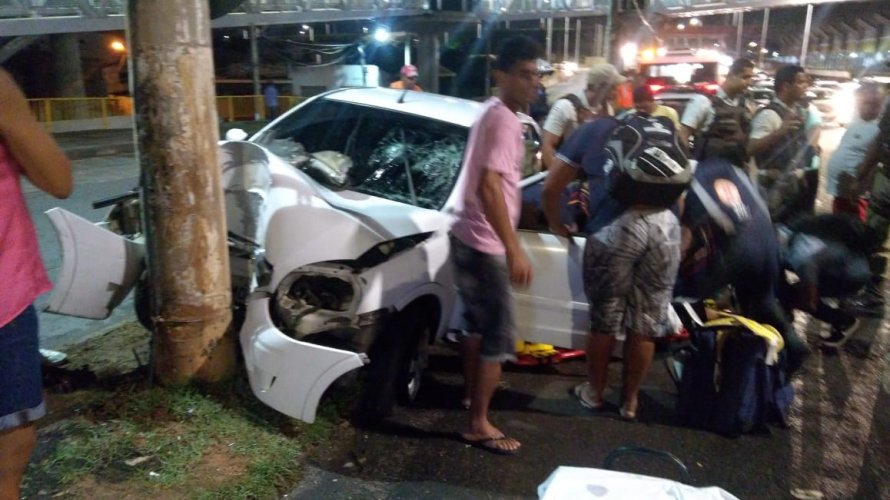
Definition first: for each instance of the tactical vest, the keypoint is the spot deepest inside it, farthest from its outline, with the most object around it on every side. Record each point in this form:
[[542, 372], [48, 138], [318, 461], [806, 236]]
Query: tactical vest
[[791, 153], [720, 140]]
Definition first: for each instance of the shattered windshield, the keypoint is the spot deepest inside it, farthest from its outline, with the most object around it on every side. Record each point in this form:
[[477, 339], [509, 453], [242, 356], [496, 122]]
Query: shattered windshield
[[396, 156]]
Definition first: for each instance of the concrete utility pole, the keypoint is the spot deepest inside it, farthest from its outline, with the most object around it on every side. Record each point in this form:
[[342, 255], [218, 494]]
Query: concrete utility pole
[[177, 130]]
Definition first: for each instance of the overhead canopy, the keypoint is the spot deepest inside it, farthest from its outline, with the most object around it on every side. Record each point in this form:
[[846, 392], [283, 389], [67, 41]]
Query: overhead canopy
[[689, 8]]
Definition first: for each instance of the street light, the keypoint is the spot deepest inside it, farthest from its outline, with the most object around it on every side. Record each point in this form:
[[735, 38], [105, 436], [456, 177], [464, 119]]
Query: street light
[[695, 22], [382, 34], [118, 46]]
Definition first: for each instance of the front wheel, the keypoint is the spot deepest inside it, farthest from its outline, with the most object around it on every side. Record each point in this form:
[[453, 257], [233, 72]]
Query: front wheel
[[413, 364], [398, 360]]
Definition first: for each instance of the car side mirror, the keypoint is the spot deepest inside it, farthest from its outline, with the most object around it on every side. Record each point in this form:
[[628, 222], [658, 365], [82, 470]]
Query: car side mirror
[[236, 134]]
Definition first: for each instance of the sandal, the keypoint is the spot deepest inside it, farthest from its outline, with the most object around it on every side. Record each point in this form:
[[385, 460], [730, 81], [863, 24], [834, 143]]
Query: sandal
[[492, 444], [627, 415], [584, 393]]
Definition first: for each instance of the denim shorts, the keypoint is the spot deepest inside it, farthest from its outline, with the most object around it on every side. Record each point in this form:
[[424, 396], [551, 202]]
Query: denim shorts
[[483, 284], [21, 390]]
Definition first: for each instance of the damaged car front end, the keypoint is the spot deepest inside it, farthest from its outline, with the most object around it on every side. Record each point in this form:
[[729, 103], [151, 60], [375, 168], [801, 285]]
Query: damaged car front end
[[337, 216]]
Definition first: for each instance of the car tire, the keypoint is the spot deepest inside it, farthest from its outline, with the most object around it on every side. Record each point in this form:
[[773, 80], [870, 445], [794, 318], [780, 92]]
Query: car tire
[[414, 362], [398, 359], [142, 302]]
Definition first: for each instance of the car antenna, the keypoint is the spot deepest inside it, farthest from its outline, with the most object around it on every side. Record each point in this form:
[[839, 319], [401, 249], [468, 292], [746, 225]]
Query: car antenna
[[402, 97]]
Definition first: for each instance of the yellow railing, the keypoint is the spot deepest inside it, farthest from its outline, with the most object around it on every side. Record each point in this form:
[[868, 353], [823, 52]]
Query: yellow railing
[[80, 108], [102, 109], [242, 107]]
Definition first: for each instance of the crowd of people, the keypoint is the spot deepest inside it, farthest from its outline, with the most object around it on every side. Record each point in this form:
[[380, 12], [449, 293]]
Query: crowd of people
[[746, 225]]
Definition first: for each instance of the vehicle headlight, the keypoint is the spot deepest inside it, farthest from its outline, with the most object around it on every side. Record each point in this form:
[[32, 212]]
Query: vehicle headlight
[[321, 292], [315, 299]]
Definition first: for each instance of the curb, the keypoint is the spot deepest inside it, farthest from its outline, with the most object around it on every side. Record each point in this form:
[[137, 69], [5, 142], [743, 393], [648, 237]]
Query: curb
[[83, 153]]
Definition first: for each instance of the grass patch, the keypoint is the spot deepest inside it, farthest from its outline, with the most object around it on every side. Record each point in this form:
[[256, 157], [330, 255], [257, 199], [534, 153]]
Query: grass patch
[[143, 442]]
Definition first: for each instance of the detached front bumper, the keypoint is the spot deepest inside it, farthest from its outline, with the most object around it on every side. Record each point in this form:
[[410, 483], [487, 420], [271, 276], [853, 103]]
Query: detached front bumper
[[286, 374]]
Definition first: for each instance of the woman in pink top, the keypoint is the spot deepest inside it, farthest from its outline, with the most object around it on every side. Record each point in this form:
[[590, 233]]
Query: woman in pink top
[[26, 149]]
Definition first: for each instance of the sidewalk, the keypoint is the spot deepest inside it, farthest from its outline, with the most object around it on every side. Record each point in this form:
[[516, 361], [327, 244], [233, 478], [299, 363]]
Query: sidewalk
[[93, 143]]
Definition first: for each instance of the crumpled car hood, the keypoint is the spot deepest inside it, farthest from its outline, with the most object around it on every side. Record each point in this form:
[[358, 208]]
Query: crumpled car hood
[[303, 222]]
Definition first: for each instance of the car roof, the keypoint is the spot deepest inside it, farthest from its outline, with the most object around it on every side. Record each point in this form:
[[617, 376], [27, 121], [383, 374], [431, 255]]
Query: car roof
[[445, 108], [676, 95]]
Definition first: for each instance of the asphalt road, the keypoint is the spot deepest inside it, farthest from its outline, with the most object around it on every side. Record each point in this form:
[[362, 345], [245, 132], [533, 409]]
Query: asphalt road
[[836, 445]]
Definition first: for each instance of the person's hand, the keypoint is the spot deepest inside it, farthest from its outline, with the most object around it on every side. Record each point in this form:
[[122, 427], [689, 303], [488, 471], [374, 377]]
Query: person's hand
[[520, 268], [562, 230], [790, 125]]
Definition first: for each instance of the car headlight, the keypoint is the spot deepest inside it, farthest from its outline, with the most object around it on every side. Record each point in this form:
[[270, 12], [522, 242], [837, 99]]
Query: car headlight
[[315, 299]]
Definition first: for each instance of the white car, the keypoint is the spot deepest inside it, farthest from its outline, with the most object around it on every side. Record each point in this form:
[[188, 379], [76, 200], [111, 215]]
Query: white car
[[338, 215]]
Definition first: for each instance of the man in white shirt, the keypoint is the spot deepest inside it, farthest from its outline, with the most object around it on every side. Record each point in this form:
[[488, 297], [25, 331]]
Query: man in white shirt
[[721, 123], [570, 111], [784, 143], [842, 179]]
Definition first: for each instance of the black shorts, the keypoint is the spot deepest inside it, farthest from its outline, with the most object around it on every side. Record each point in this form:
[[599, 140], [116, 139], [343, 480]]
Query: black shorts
[[483, 284]]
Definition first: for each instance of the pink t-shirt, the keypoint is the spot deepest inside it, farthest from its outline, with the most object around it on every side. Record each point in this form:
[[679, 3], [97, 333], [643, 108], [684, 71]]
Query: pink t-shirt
[[22, 276], [495, 143]]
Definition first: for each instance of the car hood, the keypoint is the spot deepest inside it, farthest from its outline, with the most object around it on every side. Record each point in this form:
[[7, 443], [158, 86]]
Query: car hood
[[299, 221]]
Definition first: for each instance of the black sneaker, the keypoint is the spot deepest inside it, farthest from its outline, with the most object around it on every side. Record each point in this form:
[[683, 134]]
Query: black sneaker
[[839, 336]]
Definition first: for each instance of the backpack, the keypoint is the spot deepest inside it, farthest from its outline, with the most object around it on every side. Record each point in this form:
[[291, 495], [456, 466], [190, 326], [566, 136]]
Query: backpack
[[582, 113], [645, 163], [732, 380]]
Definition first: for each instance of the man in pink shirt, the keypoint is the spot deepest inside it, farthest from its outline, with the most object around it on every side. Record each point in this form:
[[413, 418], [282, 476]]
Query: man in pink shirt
[[485, 251], [26, 149]]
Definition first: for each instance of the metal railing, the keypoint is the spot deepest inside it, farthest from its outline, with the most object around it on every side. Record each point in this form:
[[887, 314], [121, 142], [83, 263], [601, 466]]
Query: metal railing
[[242, 107], [99, 111], [100, 8]]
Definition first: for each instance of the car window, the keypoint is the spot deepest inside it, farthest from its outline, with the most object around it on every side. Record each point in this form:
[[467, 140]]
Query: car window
[[531, 139], [396, 156], [531, 216]]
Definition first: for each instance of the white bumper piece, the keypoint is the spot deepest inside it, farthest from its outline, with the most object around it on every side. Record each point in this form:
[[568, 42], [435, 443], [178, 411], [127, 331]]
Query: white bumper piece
[[98, 267], [286, 374]]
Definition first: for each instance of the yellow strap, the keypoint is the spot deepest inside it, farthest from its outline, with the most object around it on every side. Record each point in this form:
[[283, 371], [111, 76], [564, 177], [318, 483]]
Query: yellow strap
[[774, 341], [767, 332]]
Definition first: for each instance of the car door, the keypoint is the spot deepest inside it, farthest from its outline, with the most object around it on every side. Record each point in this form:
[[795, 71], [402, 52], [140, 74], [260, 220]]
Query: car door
[[553, 309]]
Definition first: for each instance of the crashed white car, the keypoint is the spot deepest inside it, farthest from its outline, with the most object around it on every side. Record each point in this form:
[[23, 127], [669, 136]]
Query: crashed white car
[[338, 215]]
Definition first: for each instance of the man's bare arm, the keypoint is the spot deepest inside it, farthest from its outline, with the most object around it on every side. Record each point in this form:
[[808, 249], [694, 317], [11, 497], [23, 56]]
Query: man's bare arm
[[492, 197], [549, 143], [42, 160], [557, 179], [685, 133]]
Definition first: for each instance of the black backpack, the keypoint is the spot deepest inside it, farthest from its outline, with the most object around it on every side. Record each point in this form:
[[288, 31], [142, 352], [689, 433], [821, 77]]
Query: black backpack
[[646, 165]]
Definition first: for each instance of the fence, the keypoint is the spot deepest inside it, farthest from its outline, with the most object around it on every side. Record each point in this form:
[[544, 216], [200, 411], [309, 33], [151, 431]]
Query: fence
[[107, 112]]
